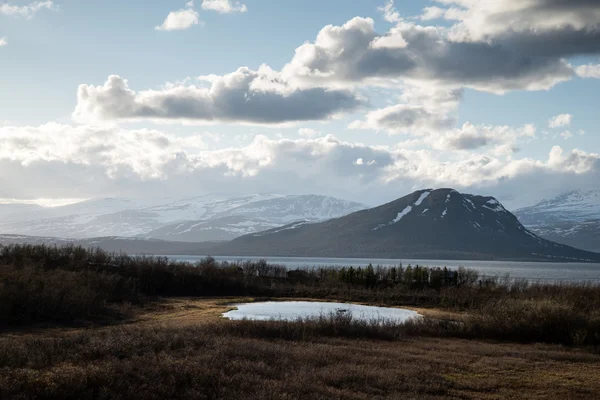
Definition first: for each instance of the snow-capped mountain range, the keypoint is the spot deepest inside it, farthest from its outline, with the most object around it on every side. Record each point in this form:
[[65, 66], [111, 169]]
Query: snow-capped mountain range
[[204, 218], [572, 218], [441, 223]]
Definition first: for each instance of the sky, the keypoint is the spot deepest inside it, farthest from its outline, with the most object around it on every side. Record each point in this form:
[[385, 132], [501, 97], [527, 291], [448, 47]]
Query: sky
[[366, 100]]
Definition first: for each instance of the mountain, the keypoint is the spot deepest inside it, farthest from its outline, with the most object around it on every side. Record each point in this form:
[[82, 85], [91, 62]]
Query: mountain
[[442, 224], [222, 228], [203, 218], [256, 216], [573, 218]]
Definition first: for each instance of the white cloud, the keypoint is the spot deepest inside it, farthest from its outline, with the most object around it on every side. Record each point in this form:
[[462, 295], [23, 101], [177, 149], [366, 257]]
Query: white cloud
[[566, 135], [470, 136], [431, 13], [25, 11], [224, 6], [560, 121], [181, 19], [390, 14], [588, 71], [3, 41], [353, 54], [259, 97], [85, 161], [534, 21], [422, 110]]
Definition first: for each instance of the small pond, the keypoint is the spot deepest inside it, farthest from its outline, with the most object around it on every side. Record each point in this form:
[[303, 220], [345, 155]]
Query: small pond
[[292, 310]]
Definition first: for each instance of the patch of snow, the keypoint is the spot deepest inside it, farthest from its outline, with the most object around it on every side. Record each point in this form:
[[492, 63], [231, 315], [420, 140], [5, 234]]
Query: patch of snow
[[425, 211], [421, 198], [401, 214], [445, 212]]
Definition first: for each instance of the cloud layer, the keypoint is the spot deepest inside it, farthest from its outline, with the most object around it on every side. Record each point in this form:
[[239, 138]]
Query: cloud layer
[[242, 96], [90, 159]]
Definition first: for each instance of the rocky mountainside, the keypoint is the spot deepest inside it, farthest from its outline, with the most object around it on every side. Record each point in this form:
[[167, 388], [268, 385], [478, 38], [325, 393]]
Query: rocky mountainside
[[443, 224], [572, 218], [204, 218]]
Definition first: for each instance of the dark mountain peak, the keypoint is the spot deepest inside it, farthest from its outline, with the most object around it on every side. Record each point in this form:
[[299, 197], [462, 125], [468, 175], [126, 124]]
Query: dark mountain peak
[[446, 207], [428, 223]]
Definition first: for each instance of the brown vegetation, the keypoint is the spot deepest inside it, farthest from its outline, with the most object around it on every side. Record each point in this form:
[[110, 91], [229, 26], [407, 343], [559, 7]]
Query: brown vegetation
[[236, 360], [165, 346]]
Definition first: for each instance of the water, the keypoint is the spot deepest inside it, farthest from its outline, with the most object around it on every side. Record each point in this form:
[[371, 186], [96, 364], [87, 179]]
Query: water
[[533, 271], [292, 310]]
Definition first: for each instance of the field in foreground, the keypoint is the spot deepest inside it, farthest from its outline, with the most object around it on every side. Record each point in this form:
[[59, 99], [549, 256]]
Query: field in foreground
[[80, 324], [171, 354], [181, 348]]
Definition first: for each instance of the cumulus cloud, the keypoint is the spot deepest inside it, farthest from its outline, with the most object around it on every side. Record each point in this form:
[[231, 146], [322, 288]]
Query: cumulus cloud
[[422, 110], [470, 136], [588, 71], [403, 118], [486, 48], [546, 27], [3, 41], [259, 97], [431, 13], [390, 14], [224, 6], [181, 19], [353, 54], [25, 11], [560, 121], [83, 161]]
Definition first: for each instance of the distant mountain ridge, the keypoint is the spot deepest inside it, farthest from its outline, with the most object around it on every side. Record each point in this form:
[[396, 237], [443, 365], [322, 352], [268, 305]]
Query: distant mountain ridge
[[440, 223], [203, 218], [572, 218], [426, 224]]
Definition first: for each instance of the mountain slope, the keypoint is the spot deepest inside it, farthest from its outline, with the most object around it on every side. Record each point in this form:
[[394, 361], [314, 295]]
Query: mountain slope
[[572, 218], [203, 218], [425, 224], [255, 217], [222, 229], [120, 217]]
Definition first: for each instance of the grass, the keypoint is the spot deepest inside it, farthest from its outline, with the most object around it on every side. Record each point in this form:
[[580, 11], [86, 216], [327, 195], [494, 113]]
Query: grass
[[233, 360], [78, 323]]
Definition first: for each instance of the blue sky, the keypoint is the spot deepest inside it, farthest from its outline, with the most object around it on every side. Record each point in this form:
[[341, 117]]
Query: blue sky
[[390, 113]]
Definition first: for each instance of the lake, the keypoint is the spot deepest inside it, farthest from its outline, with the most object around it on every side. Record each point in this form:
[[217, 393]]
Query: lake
[[293, 310], [536, 271]]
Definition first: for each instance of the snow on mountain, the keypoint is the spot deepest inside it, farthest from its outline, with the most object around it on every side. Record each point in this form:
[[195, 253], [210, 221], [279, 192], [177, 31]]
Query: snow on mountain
[[441, 223], [574, 206], [256, 216], [171, 219], [573, 218]]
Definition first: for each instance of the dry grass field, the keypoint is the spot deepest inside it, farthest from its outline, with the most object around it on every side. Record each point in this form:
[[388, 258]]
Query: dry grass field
[[84, 324], [182, 348]]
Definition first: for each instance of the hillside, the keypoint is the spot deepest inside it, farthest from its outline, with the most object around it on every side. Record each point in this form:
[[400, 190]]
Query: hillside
[[572, 218], [255, 217], [441, 223], [202, 218]]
